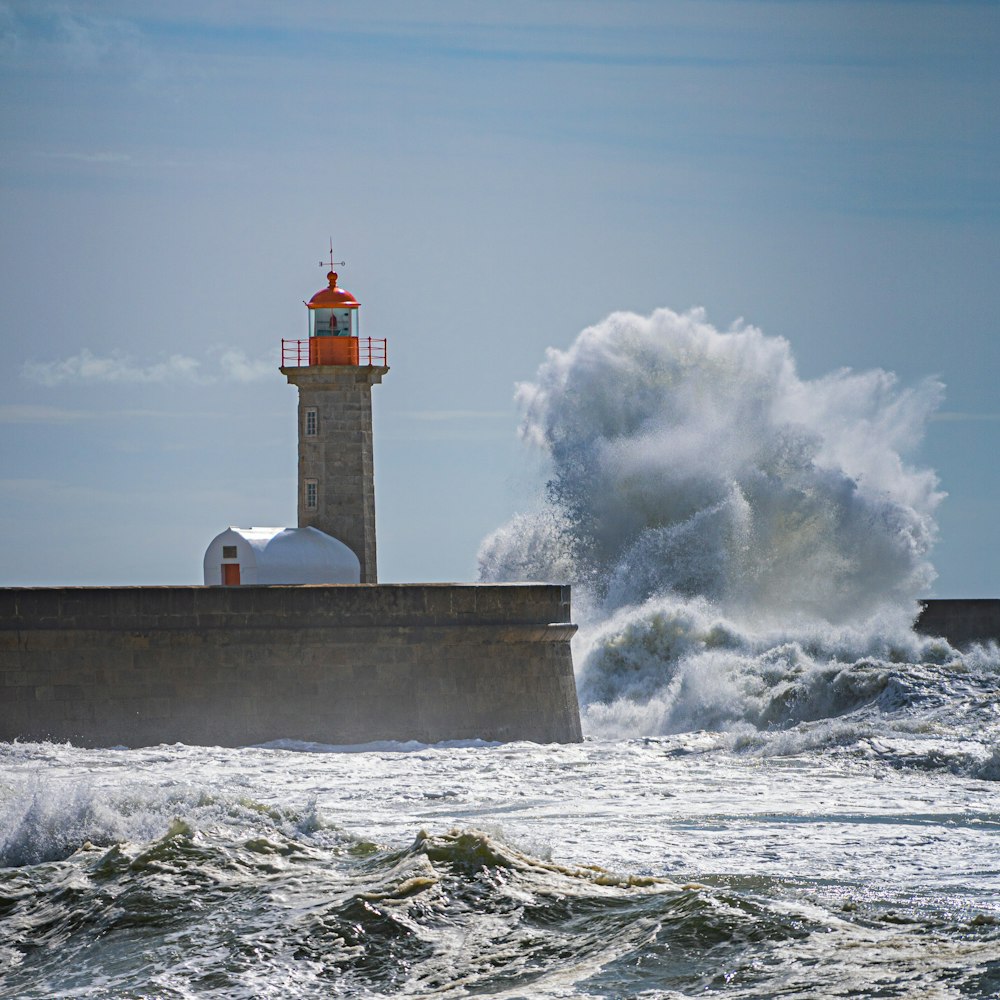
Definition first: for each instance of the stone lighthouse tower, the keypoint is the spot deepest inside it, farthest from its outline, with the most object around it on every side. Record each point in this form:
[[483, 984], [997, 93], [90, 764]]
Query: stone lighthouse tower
[[334, 371]]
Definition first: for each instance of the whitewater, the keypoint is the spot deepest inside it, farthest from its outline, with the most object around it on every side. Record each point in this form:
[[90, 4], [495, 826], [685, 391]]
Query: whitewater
[[783, 791]]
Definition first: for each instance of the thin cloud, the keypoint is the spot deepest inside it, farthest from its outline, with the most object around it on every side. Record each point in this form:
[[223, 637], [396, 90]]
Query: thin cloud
[[98, 157], [92, 41], [51, 34], [86, 367], [28, 413], [237, 367], [89, 367]]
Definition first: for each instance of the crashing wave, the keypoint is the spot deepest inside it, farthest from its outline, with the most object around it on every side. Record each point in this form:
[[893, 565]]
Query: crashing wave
[[748, 546]]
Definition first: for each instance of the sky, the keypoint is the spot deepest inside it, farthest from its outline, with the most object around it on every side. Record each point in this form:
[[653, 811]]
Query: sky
[[497, 176]]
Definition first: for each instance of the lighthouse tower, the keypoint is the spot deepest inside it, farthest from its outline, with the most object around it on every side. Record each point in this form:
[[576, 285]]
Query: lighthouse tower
[[334, 371]]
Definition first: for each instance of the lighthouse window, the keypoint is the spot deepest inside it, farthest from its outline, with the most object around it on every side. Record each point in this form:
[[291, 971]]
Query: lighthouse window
[[311, 491], [340, 323], [322, 322], [311, 422]]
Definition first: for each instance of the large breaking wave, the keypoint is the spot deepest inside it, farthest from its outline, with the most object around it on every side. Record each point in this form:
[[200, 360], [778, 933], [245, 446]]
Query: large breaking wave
[[746, 544]]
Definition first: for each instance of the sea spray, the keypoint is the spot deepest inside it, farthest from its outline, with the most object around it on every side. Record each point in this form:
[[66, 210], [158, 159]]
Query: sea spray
[[736, 533], [675, 665]]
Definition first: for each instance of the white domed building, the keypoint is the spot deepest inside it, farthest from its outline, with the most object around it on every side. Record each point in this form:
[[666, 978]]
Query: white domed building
[[278, 555]]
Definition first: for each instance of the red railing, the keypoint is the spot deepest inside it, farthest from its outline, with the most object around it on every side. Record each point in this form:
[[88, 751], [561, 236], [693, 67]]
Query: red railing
[[371, 352], [294, 353], [374, 350]]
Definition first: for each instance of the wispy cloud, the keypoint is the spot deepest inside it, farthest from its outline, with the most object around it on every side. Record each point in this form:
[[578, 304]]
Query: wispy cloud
[[94, 40], [80, 39], [97, 157], [89, 367], [233, 365], [237, 367], [47, 35], [29, 413]]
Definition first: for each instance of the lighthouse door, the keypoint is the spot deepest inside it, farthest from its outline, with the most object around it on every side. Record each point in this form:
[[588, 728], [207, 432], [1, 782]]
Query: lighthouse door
[[230, 574]]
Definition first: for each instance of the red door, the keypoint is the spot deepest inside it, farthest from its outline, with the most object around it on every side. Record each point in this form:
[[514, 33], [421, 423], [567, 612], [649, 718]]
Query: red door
[[230, 574]]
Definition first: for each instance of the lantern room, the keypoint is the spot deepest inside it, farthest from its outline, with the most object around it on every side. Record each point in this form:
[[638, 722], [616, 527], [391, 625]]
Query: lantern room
[[333, 312], [333, 325], [334, 336]]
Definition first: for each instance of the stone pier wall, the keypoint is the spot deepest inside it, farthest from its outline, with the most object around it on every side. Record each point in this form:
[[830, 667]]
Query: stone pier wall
[[961, 621], [138, 666]]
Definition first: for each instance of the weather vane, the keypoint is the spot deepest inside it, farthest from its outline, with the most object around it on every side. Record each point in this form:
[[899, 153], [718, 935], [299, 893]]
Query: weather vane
[[331, 263]]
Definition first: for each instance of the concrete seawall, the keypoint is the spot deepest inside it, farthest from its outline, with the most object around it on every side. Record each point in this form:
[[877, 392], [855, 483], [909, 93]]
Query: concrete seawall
[[961, 621], [137, 666]]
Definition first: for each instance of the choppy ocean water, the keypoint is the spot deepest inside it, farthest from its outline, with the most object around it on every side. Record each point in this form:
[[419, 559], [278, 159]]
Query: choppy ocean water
[[856, 858], [784, 791]]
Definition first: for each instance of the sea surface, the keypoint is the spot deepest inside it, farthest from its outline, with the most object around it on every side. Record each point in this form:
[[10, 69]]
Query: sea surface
[[850, 857], [783, 791]]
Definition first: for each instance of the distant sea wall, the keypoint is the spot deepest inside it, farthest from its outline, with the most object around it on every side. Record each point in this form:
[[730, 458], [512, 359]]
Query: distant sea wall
[[232, 666], [961, 621]]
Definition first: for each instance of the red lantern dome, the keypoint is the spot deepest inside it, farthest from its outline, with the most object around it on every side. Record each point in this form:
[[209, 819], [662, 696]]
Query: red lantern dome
[[333, 297]]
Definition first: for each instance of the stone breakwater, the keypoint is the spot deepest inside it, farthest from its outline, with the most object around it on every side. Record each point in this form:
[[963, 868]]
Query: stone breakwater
[[961, 621], [138, 666]]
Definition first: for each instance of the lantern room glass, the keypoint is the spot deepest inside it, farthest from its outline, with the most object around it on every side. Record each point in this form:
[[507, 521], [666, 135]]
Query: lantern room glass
[[333, 322]]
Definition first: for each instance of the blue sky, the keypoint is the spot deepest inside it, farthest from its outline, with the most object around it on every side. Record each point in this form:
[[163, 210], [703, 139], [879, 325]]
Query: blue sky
[[497, 176]]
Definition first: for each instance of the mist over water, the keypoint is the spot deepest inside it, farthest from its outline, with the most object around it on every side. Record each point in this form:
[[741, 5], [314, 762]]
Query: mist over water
[[747, 546]]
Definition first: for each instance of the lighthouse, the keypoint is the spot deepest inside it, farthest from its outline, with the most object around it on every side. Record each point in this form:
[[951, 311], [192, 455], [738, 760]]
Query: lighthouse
[[334, 369], [292, 637]]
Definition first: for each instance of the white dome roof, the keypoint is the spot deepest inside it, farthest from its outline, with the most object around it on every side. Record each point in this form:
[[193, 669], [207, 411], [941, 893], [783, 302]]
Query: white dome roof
[[282, 555]]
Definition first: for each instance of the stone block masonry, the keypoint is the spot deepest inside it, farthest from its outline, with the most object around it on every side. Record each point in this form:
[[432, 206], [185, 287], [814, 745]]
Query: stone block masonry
[[234, 666], [336, 455]]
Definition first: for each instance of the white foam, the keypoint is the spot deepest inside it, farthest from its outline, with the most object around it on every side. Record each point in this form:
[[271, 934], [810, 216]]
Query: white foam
[[45, 818], [374, 746]]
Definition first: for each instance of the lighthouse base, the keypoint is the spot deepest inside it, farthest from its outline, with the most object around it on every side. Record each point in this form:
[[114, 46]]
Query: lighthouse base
[[339, 664]]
